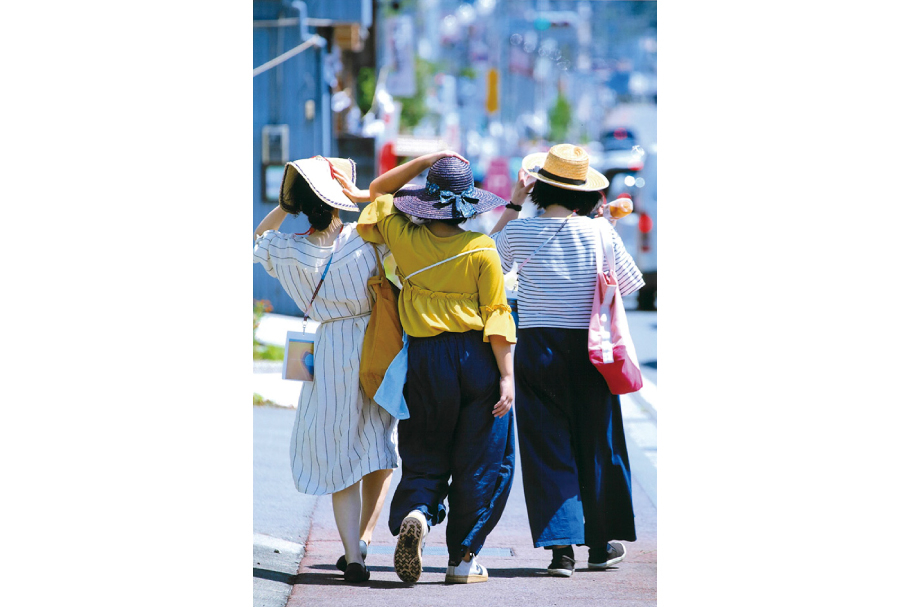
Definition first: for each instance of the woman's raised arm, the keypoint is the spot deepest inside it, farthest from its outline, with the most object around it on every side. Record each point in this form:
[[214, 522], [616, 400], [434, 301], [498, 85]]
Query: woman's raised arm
[[272, 221], [393, 180]]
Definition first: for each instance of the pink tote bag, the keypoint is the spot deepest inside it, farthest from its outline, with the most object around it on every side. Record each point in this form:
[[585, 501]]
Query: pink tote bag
[[610, 345]]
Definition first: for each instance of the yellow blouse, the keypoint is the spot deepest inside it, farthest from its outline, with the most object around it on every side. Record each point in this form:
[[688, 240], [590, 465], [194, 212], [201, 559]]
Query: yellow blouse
[[465, 294]]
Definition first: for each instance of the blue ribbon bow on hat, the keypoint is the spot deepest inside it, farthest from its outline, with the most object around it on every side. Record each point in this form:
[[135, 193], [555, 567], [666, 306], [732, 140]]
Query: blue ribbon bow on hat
[[462, 203]]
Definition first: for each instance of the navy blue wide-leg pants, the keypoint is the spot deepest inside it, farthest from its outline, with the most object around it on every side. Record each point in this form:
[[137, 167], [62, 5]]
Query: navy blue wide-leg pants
[[574, 462], [452, 385]]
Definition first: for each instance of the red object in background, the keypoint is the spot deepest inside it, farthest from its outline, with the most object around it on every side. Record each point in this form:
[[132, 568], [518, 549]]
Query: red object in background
[[644, 223], [644, 226], [387, 158], [625, 195], [497, 179], [645, 243]]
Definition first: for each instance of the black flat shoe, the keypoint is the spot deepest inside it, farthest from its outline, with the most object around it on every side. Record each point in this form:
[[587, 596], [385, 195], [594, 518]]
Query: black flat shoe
[[356, 573], [342, 563]]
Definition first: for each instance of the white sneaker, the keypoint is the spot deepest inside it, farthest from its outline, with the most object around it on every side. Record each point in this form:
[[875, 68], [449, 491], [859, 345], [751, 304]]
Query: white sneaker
[[466, 572], [408, 551]]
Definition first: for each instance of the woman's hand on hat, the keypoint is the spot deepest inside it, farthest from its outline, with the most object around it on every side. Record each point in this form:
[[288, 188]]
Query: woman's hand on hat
[[448, 154], [350, 190], [523, 186]]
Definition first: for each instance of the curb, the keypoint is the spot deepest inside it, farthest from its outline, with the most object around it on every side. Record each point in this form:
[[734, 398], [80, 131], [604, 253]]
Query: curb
[[647, 397]]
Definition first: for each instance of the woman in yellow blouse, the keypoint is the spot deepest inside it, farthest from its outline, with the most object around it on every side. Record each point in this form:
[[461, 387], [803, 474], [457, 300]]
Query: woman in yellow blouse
[[460, 384]]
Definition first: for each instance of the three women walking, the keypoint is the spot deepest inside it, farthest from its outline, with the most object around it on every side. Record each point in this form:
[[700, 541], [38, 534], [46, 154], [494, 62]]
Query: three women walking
[[457, 444]]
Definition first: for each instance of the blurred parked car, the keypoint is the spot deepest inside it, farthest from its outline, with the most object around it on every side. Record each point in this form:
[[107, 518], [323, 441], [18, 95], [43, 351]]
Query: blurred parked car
[[639, 230], [618, 139], [632, 172]]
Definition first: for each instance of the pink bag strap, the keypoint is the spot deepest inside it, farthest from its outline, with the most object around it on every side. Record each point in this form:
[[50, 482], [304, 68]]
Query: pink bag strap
[[599, 229]]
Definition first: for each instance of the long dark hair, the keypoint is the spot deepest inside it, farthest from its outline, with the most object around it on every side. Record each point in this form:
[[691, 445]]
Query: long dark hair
[[544, 195], [302, 199]]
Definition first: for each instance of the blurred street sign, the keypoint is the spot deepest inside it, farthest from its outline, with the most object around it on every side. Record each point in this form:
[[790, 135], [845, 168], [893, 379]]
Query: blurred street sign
[[399, 56], [493, 91], [408, 145]]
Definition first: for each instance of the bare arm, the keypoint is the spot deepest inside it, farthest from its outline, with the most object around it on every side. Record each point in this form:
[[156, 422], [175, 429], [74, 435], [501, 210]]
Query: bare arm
[[502, 350], [272, 221], [393, 180], [520, 192]]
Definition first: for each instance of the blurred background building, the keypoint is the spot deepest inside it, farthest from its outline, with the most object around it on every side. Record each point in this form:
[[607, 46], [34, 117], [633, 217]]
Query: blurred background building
[[381, 81]]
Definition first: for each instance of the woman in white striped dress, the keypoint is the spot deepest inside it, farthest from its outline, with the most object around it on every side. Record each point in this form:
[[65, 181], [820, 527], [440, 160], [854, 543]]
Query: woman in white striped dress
[[340, 435]]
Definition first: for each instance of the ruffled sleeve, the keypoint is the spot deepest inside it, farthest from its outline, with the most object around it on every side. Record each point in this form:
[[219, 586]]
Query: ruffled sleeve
[[380, 222], [494, 310], [498, 320]]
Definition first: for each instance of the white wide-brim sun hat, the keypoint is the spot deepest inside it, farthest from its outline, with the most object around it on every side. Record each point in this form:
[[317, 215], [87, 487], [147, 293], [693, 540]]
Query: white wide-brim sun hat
[[319, 173], [565, 166]]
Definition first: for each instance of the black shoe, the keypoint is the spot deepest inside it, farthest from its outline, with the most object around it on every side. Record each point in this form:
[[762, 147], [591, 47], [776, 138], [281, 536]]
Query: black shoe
[[342, 563], [356, 573], [601, 558], [563, 564]]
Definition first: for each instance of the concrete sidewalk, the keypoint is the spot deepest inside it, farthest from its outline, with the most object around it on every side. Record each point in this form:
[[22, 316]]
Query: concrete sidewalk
[[517, 570]]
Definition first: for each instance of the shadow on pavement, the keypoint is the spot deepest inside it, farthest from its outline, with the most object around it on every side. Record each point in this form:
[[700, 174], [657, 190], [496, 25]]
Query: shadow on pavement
[[274, 576], [336, 578]]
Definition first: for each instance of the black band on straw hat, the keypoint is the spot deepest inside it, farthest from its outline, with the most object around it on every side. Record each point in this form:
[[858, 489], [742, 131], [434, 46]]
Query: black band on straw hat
[[559, 178]]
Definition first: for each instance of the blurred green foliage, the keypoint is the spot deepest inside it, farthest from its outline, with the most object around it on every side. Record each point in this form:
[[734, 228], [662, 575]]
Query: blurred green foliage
[[560, 118], [366, 88], [413, 109]]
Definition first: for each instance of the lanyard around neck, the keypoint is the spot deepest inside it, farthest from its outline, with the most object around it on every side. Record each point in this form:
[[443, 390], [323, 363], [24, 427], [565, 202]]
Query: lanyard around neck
[[306, 314]]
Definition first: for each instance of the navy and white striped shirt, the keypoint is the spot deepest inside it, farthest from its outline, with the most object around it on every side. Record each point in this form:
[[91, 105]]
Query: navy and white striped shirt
[[556, 287]]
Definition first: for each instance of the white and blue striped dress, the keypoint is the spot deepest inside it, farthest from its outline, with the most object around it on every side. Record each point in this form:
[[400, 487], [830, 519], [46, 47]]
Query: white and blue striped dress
[[339, 434]]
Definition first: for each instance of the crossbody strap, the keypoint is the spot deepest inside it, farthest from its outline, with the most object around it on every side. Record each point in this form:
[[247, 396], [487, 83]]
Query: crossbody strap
[[545, 243], [439, 263], [306, 314]]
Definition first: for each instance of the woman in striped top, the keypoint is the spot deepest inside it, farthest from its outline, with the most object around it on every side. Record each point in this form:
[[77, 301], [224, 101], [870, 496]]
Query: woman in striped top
[[573, 452], [341, 437]]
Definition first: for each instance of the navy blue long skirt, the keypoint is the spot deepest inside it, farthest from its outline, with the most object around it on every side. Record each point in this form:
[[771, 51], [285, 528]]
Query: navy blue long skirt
[[575, 466], [452, 385]]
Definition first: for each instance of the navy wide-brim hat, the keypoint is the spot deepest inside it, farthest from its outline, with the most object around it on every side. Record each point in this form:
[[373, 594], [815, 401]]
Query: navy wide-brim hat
[[449, 194]]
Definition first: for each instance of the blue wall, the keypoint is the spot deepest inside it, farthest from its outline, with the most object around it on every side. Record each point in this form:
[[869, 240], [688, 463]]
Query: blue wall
[[279, 95]]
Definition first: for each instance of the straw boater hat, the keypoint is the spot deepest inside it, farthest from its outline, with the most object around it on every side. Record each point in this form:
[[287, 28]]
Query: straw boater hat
[[449, 193], [565, 166], [319, 173]]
